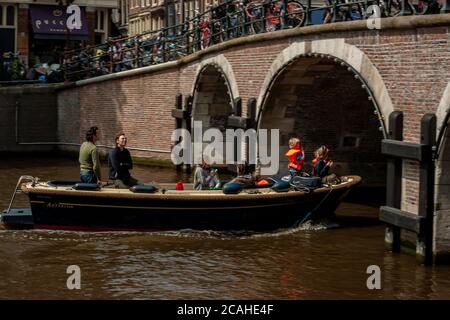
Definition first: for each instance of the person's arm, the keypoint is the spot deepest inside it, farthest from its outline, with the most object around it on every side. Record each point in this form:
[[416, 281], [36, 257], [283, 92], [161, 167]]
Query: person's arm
[[323, 169], [318, 168], [96, 164]]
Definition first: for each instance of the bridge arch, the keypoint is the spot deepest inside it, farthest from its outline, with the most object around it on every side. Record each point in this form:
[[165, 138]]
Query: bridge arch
[[328, 92], [341, 52], [442, 199], [214, 92]]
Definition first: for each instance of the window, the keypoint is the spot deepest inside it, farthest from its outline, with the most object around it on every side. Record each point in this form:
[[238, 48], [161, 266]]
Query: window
[[101, 24], [10, 16], [350, 141], [7, 15]]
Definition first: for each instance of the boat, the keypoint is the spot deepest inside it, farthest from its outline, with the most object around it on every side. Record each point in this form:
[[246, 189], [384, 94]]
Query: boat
[[60, 205]]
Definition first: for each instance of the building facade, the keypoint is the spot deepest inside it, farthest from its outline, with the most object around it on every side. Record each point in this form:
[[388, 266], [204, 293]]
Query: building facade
[[120, 16], [152, 15], [36, 29]]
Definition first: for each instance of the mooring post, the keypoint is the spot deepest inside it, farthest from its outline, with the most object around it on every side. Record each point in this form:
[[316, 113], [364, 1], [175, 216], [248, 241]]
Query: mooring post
[[424, 248], [178, 120], [251, 124], [188, 101], [394, 181], [251, 113]]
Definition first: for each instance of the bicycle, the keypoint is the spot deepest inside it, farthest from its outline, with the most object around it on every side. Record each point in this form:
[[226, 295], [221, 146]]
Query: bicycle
[[13, 66], [344, 10], [276, 15], [393, 8]]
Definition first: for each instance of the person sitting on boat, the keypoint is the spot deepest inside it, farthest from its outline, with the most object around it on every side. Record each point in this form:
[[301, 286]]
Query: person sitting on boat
[[119, 163], [202, 176], [214, 181], [322, 165], [245, 175], [321, 162], [89, 158], [295, 155]]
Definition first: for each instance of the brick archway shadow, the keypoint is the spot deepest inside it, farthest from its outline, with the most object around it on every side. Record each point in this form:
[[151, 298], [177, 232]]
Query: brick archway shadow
[[442, 212], [342, 53], [224, 67]]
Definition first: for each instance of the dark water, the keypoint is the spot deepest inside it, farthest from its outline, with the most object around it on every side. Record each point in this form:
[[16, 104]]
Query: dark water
[[313, 262]]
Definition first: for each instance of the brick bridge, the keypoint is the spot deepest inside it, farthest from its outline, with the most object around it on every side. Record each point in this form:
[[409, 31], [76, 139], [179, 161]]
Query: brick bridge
[[331, 84]]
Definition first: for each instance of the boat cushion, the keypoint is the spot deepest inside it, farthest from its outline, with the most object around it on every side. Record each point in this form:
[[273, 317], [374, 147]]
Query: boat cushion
[[86, 186], [308, 182], [143, 188], [281, 186], [231, 188], [62, 183]]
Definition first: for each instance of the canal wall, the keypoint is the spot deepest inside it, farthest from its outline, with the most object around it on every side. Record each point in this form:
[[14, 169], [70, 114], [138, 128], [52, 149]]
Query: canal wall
[[29, 118]]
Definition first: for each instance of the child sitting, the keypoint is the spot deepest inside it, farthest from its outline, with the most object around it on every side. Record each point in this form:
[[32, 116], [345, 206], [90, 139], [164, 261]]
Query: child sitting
[[295, 155], [321, 162]]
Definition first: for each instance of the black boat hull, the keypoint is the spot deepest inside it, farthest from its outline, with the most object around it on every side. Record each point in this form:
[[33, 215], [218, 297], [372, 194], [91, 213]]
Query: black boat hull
[[65, 208], [118, 214]]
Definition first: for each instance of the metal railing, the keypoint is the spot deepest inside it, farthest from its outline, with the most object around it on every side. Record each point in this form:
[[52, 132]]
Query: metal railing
[[232, 19]]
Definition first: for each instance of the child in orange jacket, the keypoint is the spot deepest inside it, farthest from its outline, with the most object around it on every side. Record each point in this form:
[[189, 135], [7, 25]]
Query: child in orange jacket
[[295, 155]]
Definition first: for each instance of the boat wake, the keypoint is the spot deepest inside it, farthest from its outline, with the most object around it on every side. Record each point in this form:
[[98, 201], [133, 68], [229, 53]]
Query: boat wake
[[86, 236]]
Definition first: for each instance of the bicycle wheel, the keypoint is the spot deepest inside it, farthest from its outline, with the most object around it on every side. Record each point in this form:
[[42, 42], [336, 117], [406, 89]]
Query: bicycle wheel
[[395, 8], [254, 13], [295, 14]]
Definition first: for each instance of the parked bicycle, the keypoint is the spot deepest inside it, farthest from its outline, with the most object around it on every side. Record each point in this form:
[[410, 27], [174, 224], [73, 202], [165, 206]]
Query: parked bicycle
[[393, 8], [264, 15], [13, 66]]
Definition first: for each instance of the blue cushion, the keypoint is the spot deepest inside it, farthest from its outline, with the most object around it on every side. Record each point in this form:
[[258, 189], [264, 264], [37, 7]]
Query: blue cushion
[[61, 183], [231, 188], [281, 186], [143, 188], [86, 186]]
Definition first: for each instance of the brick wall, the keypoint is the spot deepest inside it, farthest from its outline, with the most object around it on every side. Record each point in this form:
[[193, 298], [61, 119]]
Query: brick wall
[[31, 112]]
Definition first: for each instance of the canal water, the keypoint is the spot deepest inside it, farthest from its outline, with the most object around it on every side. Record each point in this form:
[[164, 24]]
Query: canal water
[[324, 261]]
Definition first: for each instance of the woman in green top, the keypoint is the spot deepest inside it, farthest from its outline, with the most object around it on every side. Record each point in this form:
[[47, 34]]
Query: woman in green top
[[89, 158]]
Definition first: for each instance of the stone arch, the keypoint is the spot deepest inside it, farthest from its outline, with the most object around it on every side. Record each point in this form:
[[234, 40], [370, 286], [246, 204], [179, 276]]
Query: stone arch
[[214, 93], [328, 92], [343, 53], [224, 67], [442, 199], [443, 115]]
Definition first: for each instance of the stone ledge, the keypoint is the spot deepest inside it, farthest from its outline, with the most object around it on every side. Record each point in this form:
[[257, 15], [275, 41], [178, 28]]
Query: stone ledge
[[31, 88]]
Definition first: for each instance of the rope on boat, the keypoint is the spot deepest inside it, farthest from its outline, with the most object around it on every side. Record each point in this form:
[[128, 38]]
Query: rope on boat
[[309, 214]]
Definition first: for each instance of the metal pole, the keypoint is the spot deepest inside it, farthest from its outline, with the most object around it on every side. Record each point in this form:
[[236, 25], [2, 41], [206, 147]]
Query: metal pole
[[308, 13], [394, 181], [424, 248]]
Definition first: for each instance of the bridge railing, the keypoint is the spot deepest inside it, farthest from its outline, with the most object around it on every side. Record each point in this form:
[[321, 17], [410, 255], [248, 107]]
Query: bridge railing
[[231, 19]]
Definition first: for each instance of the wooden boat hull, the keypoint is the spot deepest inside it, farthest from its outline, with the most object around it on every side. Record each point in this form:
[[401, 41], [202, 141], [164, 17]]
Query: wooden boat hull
[[211, 210]]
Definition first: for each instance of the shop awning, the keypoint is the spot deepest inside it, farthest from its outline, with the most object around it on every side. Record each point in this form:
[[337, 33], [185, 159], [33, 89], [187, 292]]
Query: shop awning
[[49, 22]]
